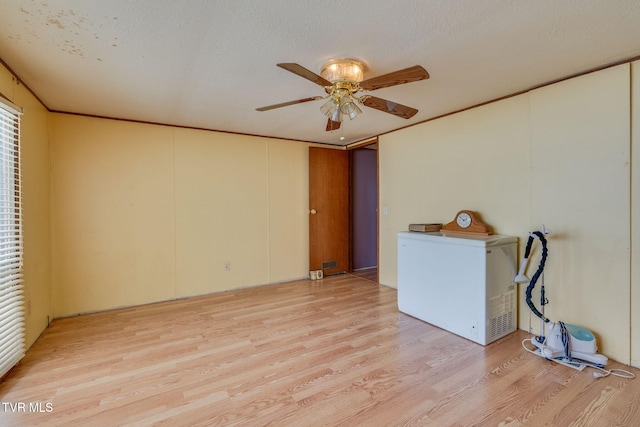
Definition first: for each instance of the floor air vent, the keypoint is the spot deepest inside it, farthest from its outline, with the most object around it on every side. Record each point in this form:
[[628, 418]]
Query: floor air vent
[[328, 265]]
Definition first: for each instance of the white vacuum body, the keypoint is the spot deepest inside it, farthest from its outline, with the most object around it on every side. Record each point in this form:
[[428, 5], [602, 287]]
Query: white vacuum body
[[562, 341], [582, 344]]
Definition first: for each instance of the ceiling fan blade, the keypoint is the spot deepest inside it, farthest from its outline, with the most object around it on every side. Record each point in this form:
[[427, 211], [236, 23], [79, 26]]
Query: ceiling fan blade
[[284, 104], [331, 125], [408, 75], [390, 107], [303, 72]]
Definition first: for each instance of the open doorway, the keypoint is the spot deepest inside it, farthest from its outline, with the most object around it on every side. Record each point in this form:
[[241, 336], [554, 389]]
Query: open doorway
[[364, 211]]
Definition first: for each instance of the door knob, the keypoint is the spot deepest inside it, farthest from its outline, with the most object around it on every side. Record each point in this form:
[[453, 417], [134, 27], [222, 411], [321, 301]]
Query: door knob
[[313, 212]]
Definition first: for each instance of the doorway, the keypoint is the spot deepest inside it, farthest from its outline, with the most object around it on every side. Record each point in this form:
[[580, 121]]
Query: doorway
[[364, 211], [343, 214]]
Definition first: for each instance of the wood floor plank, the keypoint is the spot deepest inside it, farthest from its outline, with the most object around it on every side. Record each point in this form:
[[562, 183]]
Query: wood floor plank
[[328, 352]]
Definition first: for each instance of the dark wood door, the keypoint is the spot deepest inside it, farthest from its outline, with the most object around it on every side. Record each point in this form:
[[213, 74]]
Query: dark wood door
[[328, 210]]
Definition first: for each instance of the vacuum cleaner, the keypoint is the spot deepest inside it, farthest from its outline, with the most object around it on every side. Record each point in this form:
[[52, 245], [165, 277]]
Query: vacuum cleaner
[[568, 344]]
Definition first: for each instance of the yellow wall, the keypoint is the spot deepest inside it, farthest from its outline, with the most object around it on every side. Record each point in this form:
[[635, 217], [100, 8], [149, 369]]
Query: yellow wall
[[146, 213], [635, 214], [36, 210], [477, 160], [240, 200], [580, 189], [558, 155], [112, 214]]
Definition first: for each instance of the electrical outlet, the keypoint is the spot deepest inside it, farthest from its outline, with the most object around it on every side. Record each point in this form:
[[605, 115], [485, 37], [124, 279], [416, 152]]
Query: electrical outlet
[[227, 266]]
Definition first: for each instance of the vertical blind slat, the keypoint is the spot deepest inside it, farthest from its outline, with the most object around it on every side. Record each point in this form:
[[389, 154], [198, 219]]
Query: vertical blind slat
[[12, 316]]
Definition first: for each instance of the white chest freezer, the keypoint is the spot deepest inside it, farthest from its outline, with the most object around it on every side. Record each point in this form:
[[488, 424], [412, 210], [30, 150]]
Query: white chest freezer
[[462, 285]]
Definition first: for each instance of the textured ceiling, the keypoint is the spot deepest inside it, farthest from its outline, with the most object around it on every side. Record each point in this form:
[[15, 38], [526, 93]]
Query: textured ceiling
[[210, 63]]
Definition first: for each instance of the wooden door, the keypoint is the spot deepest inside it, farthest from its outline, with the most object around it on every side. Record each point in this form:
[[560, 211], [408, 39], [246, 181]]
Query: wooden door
[[328, 210]]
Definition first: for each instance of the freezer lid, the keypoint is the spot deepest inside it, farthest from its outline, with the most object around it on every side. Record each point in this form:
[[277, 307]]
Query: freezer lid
[[475, 241]]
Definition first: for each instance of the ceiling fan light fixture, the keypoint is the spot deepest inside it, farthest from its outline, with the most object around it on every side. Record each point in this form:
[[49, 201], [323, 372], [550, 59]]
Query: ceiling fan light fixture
[[349, 108], [336, 116], [342, 80], [343, 70], [329, 107]]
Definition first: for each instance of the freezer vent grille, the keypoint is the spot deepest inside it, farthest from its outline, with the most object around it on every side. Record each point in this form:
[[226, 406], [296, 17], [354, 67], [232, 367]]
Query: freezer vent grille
[[502, 325]]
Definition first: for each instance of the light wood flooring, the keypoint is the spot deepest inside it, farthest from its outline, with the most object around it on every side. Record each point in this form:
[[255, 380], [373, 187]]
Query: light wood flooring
[[367, 273], [329, 352]]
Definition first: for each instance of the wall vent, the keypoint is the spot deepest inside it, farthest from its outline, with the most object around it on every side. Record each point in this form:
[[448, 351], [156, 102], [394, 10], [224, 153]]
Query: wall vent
[[328, 265]]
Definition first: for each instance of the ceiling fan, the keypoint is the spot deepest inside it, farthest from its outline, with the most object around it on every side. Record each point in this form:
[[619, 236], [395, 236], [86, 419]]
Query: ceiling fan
[[342, 80]]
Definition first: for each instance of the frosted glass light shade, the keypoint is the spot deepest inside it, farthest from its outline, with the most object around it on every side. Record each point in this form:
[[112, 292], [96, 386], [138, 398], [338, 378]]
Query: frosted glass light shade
[[343, 70], [329, 107], [349, 108]]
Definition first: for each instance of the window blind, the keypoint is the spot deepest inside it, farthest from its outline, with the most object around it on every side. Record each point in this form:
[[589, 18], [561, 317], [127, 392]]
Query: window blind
[[12, 318]]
